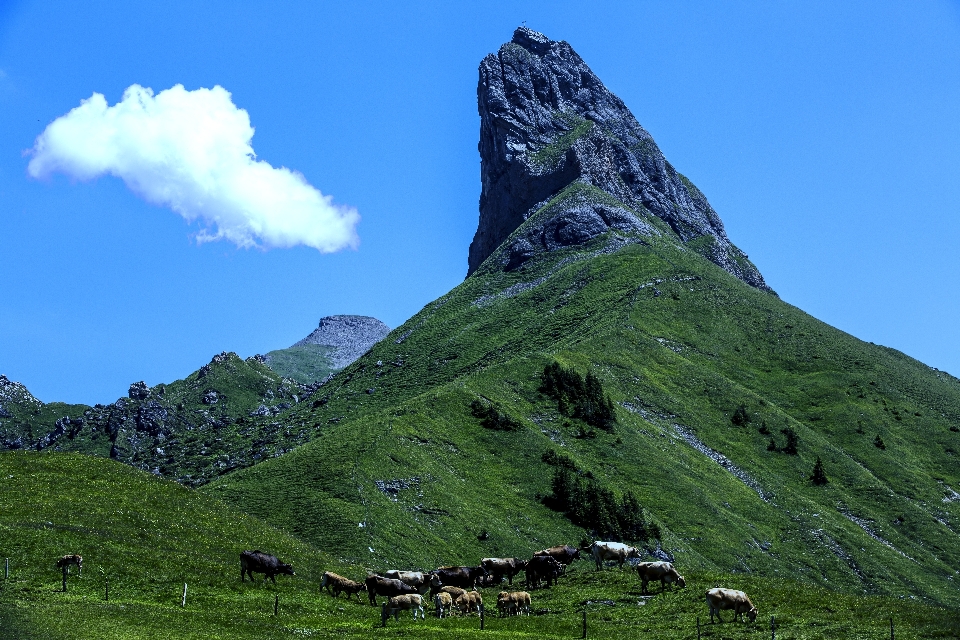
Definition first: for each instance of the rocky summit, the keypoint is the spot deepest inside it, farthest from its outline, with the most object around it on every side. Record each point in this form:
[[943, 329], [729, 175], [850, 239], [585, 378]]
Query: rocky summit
[[349, 336], [555, 141]]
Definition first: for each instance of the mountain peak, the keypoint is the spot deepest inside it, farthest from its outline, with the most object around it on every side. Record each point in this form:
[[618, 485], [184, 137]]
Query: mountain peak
[[552, 136], [349, 337], [531, 40]]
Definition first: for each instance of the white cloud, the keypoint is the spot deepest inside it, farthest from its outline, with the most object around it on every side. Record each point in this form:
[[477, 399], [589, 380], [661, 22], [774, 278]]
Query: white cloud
[[191, 151]]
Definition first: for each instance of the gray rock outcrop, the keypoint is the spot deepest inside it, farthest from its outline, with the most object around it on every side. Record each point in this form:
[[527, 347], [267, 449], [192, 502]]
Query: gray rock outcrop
[[557, 143], [349, 336]]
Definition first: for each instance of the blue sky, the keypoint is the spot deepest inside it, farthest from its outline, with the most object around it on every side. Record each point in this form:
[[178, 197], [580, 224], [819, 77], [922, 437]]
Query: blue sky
[[827, 138]]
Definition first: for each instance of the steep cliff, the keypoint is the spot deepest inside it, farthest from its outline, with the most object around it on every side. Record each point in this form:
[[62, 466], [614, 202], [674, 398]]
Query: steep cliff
[[549, 128]]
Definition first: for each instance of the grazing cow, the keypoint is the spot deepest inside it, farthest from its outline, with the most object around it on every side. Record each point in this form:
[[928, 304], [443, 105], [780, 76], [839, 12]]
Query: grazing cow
[[339, 583], [444, 603], [542, 568], [67, 560], [259, 562], [464, 577], [662, 571], [416, 579], [513, 603], [564, 554], [498, 568], [469, 601], [455, 592], [378, 585], [616, 551], [718, 599], [396, 604]]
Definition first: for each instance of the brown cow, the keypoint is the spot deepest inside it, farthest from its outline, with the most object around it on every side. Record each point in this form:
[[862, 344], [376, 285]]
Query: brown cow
[[259, 562], [718, 599], [444, 603], [377, 585], [67, 560], [464, 577], [497, 568], [662, 571], [469, 601], [513, 603], [396, 604], [455, 592], [542, 568], [564, 554], [338, 583]]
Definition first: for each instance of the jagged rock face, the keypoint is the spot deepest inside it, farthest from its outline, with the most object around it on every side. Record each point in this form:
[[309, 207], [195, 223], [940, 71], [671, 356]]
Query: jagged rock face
[[546, 121], [350, 337]]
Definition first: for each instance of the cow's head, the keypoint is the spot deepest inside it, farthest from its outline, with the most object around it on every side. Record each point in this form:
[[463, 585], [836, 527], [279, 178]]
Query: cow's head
[[285, 569], [752, 614], [681, 581], [633, 552], [576, 553], [435, 580]]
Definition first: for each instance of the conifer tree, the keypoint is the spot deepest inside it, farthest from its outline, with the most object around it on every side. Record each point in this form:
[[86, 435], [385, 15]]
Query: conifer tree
[[819, 476]]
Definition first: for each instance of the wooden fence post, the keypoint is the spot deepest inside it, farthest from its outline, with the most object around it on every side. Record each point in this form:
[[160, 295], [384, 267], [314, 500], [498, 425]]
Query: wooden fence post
[[891, 628], [6, 569], [276, 603], [584, 624], [698, 627], [481, 616], [106, 587], [183, 600], [773, 629]]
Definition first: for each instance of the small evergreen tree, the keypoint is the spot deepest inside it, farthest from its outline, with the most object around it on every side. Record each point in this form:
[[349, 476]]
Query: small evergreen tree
[[740, 417], [819, 476], [490, 418], [878, 442], [792, 441]]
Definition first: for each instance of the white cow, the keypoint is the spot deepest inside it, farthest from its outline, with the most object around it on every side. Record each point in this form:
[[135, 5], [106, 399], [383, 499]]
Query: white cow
[[617, 551]]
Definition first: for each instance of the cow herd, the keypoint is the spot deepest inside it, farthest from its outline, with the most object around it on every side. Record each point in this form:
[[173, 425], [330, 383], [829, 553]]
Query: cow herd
[[454, 588]]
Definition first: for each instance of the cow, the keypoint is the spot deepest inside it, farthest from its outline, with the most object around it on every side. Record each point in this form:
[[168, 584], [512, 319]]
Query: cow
[[259, 562], [408, 602], [336, 583], [67, 560], [378, 585], [464, 577], [616, 551], [444, 603], [455, 592], [513, 603], [564, 554], [541, 568], [498, 568], [718, 599], [662, 571], [469, 601], [416, 579]]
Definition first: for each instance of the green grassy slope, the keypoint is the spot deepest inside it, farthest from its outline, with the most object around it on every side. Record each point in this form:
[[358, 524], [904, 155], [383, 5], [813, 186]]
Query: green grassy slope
[[679, 344], [306, 363], [148, 536]]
